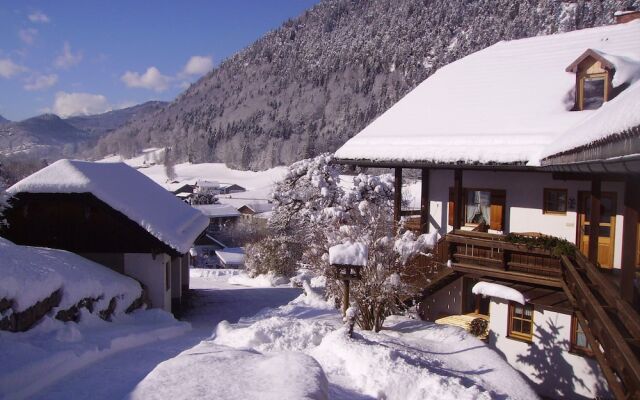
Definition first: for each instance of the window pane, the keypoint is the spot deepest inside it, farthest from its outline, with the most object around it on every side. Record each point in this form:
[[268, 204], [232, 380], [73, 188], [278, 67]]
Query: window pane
[[517, 311], [581, 340], [526, 327], [528, 313], [593, 94], [478, 207], [556, 200]]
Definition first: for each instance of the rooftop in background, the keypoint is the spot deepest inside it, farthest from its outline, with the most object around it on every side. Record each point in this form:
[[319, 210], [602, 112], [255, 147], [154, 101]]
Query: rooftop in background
[[217, 210], [231, 255], [126, 190], [509, 103]]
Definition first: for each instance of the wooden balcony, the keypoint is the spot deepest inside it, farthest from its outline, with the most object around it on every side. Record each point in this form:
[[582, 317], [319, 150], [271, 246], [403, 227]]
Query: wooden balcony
[[490, 255]]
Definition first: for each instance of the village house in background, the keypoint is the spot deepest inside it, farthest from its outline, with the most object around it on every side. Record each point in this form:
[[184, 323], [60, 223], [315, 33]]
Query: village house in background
[[111, 214], [527, 138]]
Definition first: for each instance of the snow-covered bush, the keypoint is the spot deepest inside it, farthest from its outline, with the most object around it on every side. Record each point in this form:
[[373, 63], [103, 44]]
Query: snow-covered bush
[[272, 254], [313, 212], [204, 196], [4, 203]]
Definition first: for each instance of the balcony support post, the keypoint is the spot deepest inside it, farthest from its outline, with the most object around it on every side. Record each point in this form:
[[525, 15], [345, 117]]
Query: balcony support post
[[424, 202]]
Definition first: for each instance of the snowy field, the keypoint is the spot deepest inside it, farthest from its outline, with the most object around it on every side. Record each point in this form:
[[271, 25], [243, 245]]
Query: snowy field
[[258, 184]]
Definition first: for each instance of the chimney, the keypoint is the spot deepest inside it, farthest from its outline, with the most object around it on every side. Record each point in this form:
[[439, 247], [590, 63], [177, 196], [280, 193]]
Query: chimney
[[626, 15]]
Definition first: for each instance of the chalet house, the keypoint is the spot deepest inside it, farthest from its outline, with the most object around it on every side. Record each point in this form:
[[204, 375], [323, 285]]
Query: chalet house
[[256, 210], [221, 216], [531, 137], [111, 214], [204, 254]]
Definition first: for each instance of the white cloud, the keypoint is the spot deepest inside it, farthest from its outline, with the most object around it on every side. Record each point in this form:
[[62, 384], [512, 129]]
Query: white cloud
[[152, 79], [67, 59], [70, 104], [38, 16], [28, 35], [198, 65], [39, 82], [8, 68]]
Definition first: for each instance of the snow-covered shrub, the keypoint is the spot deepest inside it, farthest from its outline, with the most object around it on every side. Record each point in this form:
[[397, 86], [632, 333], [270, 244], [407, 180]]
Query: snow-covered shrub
[[313, 213], [204, 196], [272, 254]]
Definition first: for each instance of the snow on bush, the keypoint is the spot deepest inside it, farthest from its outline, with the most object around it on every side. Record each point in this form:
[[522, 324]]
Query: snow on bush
[[318, 221], [212, 371], [489, 289], [31, 274]]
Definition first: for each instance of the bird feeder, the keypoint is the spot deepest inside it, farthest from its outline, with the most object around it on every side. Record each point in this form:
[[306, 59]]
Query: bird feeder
[[347, 261]]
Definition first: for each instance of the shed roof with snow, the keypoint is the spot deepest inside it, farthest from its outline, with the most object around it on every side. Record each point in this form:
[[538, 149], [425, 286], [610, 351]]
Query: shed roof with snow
[[231, 255], [217, 210], [509, 103], [125, 190]]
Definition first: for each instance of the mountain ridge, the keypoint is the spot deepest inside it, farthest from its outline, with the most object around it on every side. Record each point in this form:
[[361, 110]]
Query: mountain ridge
[[51, 137]]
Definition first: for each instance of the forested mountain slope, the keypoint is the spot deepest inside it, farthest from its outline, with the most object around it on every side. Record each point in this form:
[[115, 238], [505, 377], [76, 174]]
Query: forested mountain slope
[[308, 86]]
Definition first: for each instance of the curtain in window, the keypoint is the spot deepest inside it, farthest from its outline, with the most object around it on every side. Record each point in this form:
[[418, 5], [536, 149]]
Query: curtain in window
[[478, 208]]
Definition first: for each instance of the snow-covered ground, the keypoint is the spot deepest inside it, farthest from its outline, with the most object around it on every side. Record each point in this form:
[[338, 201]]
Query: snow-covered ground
[[273, 343], [258, 184]]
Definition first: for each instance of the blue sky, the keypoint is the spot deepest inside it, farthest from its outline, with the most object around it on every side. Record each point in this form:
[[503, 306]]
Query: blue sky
[[75, 57]]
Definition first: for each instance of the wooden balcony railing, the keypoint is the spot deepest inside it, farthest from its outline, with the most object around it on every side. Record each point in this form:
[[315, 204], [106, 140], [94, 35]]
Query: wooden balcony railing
[[491, 255]]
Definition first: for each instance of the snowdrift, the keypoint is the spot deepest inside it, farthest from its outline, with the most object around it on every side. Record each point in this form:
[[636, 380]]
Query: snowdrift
[[211, 371], [36, 281]]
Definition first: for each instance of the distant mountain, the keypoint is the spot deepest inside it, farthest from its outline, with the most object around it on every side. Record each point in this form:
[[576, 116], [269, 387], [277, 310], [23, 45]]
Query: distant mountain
[[3, 120], [319, 79], [48, 136], [101, 124]]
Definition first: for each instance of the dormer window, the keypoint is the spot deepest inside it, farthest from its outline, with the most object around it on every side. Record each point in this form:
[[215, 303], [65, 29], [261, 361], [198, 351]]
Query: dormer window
[[593, 91], [593, 79]]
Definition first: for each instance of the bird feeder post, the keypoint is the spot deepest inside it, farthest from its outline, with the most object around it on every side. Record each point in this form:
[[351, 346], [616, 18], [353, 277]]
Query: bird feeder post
[[347, 273]]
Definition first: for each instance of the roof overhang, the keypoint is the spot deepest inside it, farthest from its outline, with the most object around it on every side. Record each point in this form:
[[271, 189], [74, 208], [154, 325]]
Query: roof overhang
[[517, 166], [573, 67]]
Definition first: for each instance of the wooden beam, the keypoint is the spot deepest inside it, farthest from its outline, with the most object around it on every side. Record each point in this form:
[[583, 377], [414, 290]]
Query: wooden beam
[[583, 176], [457, 198], [630, 237], [397, 195], [594, 220], [424, 202]]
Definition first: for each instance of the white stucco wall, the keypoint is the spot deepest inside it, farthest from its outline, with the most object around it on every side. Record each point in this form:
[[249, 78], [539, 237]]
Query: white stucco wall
[[151, 272], [546, 362], [524, 202]]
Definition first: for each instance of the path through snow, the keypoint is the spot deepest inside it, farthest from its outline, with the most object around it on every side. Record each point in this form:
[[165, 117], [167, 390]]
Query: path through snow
[[214, 300]]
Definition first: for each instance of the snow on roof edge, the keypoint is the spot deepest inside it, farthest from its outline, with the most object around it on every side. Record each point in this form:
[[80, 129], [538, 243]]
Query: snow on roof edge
[[108, 182]]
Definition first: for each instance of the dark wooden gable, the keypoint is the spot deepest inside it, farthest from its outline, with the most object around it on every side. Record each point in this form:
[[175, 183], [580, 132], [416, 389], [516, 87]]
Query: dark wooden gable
[[77, 222]]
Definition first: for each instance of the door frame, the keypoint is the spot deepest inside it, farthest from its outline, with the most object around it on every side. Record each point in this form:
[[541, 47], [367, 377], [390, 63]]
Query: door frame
[[583, 195]]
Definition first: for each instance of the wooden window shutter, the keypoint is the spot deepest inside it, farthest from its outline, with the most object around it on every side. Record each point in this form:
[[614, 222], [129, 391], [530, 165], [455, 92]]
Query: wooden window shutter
[[498, 206], [451, 207]]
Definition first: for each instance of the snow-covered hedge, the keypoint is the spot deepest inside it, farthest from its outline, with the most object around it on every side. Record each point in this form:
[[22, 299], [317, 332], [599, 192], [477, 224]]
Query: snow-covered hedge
[[36, 281]]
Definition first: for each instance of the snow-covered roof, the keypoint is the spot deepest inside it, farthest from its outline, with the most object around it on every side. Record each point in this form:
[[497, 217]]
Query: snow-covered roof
[[231, 255], [499, 291], [31, 274], [217, 210], [126, 190], [507, 103]]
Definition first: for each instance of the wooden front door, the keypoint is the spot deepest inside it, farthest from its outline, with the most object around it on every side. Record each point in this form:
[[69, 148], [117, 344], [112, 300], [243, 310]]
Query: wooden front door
[[606, 237]]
